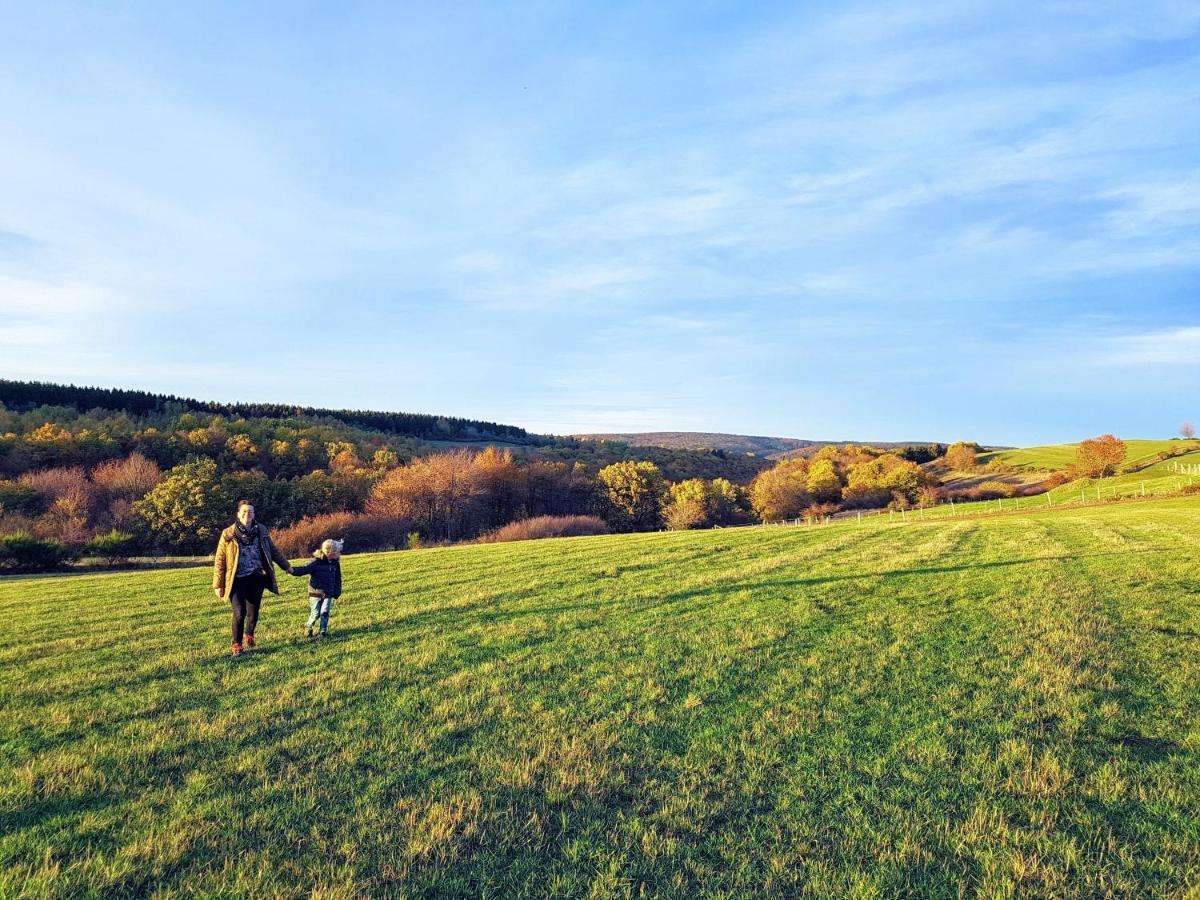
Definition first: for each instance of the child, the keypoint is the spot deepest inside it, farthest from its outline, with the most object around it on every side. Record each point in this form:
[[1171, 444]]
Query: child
[[324, 583]]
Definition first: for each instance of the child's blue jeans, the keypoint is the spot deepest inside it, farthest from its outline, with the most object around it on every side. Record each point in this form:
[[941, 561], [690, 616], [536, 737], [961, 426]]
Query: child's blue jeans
[[319, 609]]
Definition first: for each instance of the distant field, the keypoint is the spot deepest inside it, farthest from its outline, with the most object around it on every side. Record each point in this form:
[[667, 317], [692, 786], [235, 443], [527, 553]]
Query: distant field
[[1057, 457], [1167, 476], [994, 706]]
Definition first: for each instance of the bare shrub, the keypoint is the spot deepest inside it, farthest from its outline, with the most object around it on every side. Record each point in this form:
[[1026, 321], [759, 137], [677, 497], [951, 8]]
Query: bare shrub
[[69, 485], [988, 490], [15, 523], [547, 527], [1056, 479], [818, 511], [360, 531], [129, 479], [930, 495], [70, 498], [439, 494]]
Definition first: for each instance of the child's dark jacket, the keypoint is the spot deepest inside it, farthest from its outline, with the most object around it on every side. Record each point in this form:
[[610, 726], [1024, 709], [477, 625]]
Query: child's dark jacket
[[324, 576]]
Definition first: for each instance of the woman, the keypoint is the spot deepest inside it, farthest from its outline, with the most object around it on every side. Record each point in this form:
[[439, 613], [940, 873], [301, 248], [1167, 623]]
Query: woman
[[242, 570]]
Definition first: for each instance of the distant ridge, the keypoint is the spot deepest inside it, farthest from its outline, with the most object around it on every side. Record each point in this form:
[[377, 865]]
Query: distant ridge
[[19, 395], [759, 445]]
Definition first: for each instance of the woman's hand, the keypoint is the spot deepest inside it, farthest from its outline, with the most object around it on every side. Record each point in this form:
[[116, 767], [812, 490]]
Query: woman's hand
[[220, 593]]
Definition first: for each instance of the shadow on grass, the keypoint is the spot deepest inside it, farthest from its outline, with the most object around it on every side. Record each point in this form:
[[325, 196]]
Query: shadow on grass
[[1175, 632]]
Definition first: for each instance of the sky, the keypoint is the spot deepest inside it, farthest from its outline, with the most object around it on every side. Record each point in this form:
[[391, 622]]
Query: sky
[[839, 221]]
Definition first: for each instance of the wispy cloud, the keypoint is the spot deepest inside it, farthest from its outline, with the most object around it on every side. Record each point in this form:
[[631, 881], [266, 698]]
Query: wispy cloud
[[754, 197], [1169, 347]]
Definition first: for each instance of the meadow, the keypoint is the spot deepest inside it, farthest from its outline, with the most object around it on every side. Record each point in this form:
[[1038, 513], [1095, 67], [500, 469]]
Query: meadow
[[1160, 478], [996, 706], [1056, 457]]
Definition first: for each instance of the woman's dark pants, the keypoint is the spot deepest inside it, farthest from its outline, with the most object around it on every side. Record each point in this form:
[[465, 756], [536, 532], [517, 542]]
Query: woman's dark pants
[[245, 597]]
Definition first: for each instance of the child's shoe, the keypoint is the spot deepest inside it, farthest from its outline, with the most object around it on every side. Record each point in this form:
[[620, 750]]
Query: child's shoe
[[236, 649], [250, 643], [310, 634], [324, 635]]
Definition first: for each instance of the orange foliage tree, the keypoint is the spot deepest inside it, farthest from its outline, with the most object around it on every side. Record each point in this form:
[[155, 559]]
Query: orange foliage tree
[[1100, 456]]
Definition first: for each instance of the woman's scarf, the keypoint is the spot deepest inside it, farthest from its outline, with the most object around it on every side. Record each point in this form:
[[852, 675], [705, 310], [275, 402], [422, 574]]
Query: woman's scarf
[[245, 536]]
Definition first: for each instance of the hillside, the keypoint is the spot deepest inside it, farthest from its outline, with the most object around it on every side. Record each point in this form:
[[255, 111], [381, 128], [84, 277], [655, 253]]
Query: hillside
[[998, 706], [104, 423], [23, 395], [1165, 477], [767, 447], [1056, 457]]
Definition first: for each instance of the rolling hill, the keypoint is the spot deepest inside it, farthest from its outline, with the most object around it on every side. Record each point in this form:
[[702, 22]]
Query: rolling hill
[[768, 447], [1057, 457]]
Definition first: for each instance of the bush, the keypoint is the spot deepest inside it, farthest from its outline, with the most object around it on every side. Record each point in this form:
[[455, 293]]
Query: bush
[[930, 495], [25, 553], [818, 512], [360, 531], [114, 547], [547, 527], [992, 490], [130, 479], [23, 499], [1056, 479]]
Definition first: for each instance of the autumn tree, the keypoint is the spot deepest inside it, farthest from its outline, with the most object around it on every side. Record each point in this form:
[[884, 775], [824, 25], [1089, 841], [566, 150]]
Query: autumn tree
[[781, 493], [726, 502], [385, 458], [559, 489], [242, 450], [501, 486], [882, 480], [961, 457], [823, 482], [689, 505], [634, 494], [1100, 456], [438, 494]]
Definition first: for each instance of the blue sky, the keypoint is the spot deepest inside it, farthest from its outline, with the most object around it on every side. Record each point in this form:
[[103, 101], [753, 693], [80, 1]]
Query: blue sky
[[822, 220]]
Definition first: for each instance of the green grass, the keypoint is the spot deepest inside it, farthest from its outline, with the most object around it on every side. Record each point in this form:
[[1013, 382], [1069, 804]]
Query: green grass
[[1056, 457], [1004, 706], [1164, 477]]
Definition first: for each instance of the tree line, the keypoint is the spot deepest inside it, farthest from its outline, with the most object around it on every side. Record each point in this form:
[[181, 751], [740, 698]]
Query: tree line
[[19, 395]]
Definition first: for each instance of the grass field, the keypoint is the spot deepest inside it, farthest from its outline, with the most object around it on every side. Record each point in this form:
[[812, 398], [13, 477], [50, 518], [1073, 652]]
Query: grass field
[[1057, 457], [1167, 476], [998, 706]]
